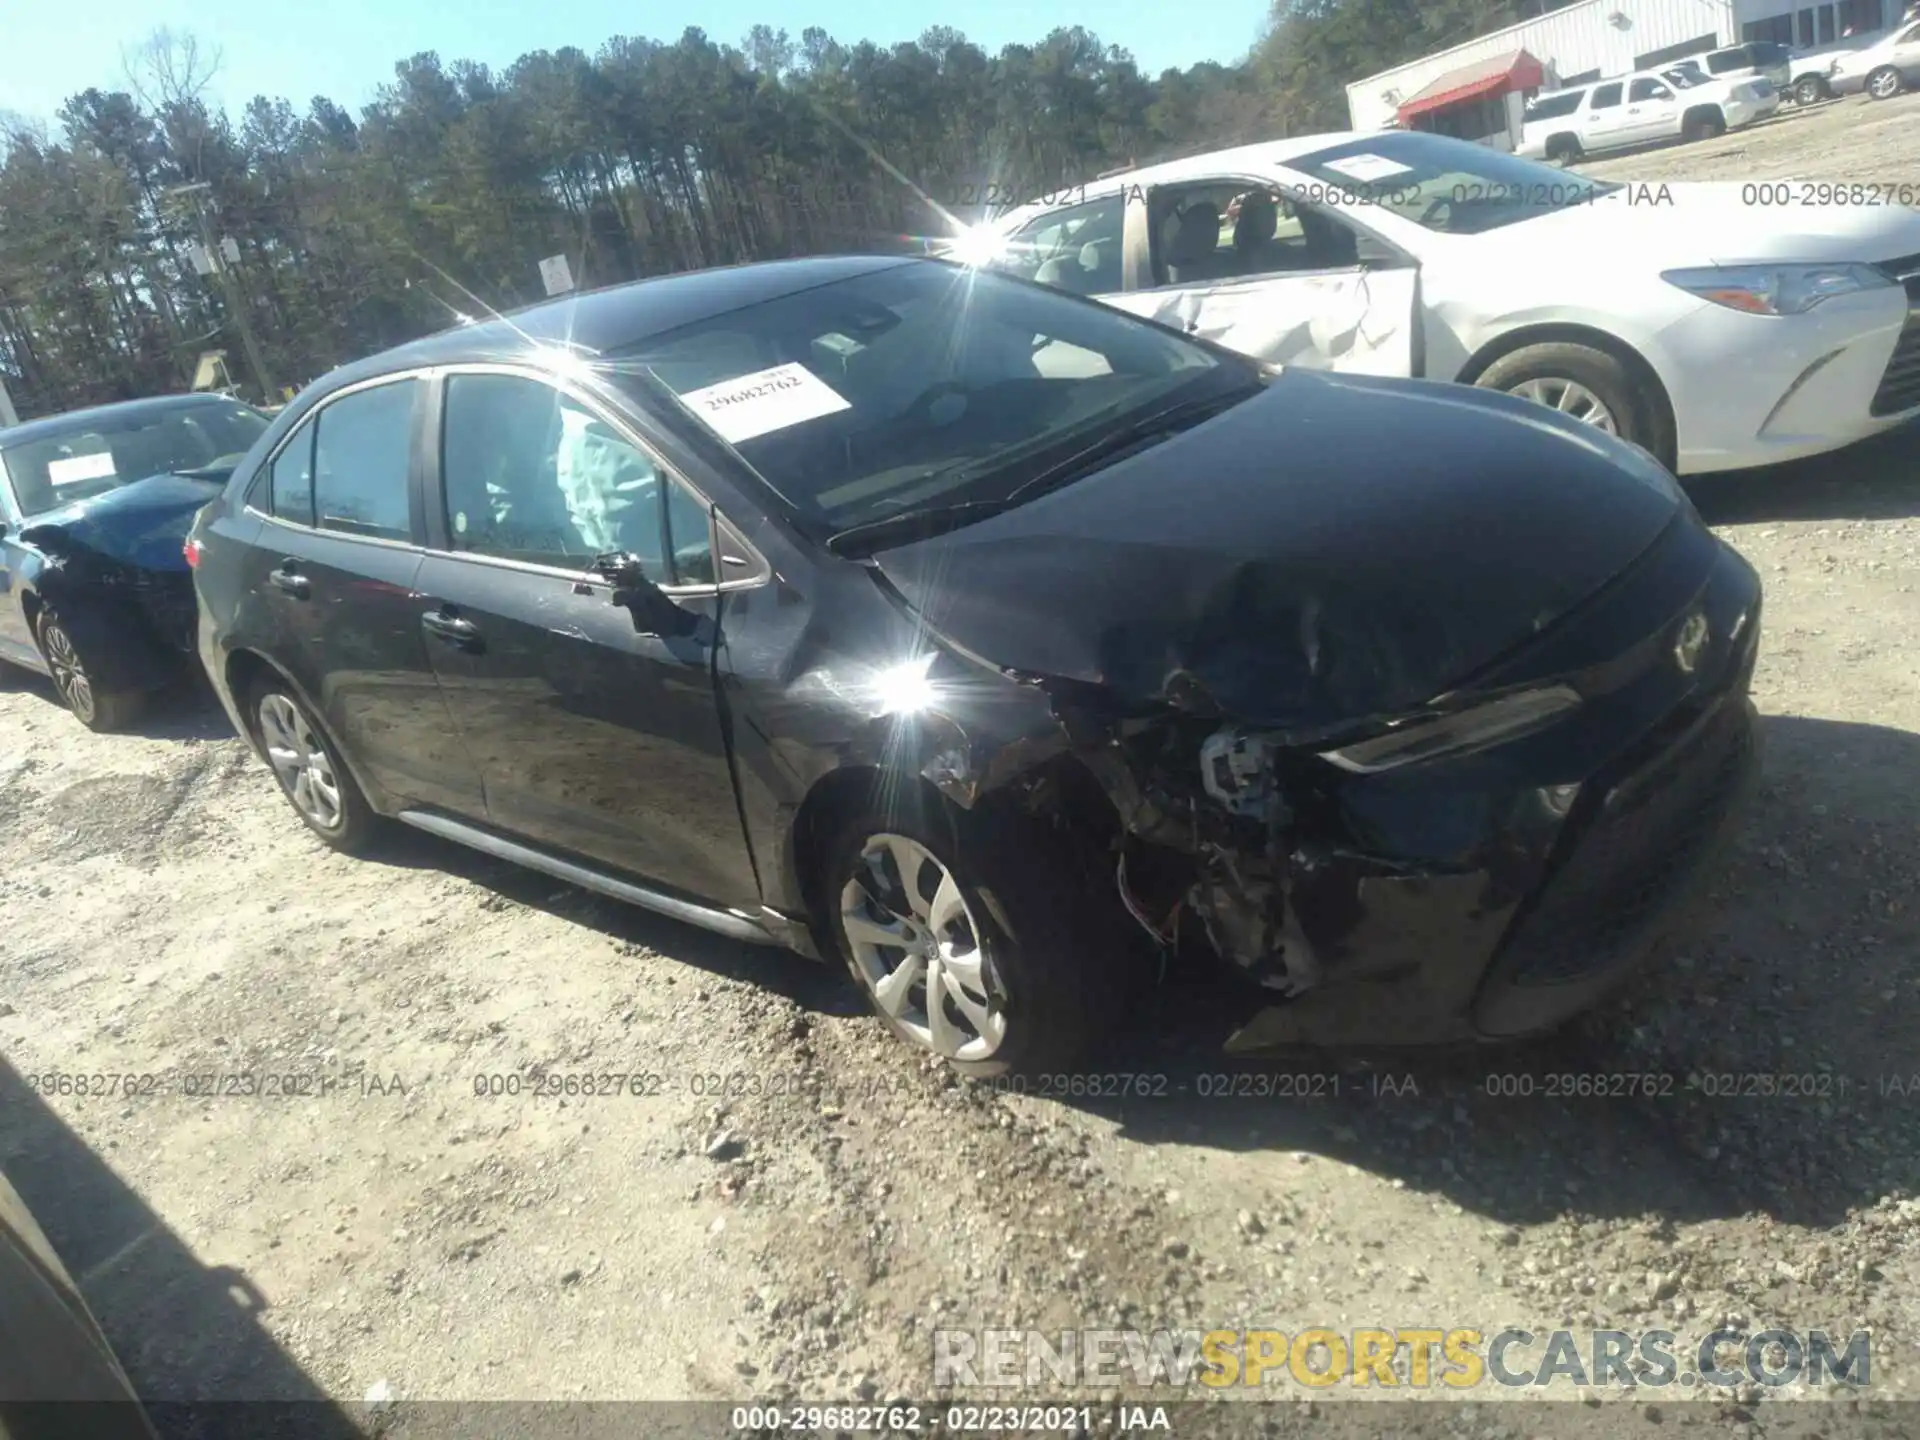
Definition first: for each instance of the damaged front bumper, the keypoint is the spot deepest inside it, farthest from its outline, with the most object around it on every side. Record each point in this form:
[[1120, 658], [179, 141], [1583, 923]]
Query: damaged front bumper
[[1472, 897]]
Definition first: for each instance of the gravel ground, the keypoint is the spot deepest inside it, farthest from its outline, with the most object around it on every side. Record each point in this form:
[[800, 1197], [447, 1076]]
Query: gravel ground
[[782, 1202]]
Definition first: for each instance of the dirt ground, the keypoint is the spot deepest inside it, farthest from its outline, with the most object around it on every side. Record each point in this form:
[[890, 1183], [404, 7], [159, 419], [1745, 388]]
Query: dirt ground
[[782, 1202]]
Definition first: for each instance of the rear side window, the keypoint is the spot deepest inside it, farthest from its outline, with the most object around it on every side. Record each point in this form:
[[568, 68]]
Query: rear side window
[[1605, 97], [1552, 107], [290, 479], [362, 451]]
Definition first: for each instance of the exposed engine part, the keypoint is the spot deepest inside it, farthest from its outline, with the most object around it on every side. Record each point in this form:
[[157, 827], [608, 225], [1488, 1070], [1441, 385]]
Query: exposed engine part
[[1250, 923], [1237, 769], [1165, 933]]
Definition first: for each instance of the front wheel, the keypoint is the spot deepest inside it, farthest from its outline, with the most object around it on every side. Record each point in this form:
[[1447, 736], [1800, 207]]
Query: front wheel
[[93, 704], [976, 939], [1809, 90], [320, 789], [1583, 384], [1885, 83], [1704, 125]]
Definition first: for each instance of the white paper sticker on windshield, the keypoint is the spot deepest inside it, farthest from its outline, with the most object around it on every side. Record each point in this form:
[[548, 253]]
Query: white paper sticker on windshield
[[80, 468], [1367, 167], [764, 401]]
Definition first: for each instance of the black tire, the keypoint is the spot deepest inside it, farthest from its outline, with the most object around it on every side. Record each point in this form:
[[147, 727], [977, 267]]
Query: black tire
[[1810, 90], [1062, 963], [1563, 150], [1704, 125], [1638, 415], [94, 706], [276, 714], [1885, 83]]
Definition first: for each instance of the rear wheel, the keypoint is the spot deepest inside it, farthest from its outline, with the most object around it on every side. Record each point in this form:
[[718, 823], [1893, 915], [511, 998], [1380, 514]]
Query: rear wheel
[[1810, 90], [1583, 384], [93, 704], [1885, 83], [975, 939], [1704, 125], [320, 789], [1563, 150]]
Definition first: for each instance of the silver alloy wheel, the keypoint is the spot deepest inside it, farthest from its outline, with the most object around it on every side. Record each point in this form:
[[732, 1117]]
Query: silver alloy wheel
[[300, 760], [918, 951], [69, 675], [1884, 83], [1570, 398]]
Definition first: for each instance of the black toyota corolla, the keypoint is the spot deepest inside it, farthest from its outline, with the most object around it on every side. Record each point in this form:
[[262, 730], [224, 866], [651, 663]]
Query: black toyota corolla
[[994, 641]]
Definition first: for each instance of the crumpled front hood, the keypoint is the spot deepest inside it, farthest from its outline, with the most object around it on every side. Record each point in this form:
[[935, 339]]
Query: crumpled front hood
[[143, 524], [1334, 548]]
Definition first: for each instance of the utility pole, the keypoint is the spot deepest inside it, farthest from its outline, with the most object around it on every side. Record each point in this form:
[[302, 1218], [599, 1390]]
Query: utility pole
[[237, 305]]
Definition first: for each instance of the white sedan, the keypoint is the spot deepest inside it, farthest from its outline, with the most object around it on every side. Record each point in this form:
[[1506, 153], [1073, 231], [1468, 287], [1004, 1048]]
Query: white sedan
[[1718, 326]]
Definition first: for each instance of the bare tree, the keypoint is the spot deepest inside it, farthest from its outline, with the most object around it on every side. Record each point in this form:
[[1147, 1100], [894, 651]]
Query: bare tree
[[169, 67]]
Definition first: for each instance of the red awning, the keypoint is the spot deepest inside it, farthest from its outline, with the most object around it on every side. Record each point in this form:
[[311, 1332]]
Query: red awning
[[1516, 70]]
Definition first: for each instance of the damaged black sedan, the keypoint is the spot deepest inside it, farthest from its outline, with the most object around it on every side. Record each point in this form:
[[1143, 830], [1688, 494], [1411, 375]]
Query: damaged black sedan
[[94, 505], [993, 640]]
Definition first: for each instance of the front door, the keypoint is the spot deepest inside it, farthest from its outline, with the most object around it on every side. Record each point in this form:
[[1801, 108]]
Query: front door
[[1283, 282], [1652, 112], [595, 733], [334, 600]]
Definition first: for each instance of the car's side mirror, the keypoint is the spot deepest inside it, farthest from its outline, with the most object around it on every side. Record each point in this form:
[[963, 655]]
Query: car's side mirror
[[654, 611]]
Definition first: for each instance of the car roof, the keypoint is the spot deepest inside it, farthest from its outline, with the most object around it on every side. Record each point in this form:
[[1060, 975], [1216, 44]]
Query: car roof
[[68, 421], [621, 316], [1258, 156]]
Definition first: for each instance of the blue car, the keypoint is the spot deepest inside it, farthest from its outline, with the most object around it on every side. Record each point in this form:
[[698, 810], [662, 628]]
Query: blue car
[[94, 507]]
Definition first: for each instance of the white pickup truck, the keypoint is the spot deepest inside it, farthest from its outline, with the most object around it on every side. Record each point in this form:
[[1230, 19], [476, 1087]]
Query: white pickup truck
[[1674, 103]]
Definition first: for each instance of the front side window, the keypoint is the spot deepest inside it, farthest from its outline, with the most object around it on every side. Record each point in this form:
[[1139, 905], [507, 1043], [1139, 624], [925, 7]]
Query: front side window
[[1443, 184], [1224, 230], [921, 386], [1648, 90], [1076, 249], [531, 474], [362, 453], [98, 453]]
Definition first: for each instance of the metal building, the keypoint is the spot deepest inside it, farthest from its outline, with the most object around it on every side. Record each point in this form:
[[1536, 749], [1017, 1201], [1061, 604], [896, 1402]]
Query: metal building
[[1476, 90]]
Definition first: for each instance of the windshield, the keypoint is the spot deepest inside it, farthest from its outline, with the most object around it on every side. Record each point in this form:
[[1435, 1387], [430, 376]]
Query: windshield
[[1443, 184], [923, 386], [98, 453]]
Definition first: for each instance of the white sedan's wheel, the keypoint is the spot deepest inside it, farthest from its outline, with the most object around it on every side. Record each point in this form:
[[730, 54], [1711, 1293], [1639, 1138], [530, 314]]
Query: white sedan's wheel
[[1571, 399], [918, 951]]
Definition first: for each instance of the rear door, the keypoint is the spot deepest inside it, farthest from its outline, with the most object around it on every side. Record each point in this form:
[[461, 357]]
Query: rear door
[[594, 735], [1283, 281], [330, 590]]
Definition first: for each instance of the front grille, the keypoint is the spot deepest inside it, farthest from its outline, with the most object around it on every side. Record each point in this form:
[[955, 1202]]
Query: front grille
[[1634, 857], [169, 602], [1900, 383]]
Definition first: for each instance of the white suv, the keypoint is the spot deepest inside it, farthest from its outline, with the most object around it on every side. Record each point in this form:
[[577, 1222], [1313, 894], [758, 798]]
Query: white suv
[[1640, 109]]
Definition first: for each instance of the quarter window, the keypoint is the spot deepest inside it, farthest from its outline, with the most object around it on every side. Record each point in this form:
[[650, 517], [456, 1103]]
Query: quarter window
[[290, 479], [363, 445], [531, 474]]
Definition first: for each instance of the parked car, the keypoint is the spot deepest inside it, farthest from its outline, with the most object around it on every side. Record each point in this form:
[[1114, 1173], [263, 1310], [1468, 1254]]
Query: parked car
[[1714, 332], [1765, 59], [1640, 109], [1811, 69], [1883, 69], [991, 639], [58, 1375], [93, 507]]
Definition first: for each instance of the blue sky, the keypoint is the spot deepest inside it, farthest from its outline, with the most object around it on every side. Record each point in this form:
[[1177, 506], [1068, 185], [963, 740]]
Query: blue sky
[[51, 49]]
